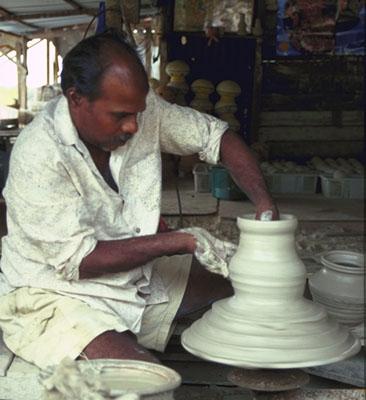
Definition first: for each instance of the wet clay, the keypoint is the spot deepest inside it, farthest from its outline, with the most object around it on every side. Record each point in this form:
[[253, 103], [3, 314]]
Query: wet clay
[[268, 323]]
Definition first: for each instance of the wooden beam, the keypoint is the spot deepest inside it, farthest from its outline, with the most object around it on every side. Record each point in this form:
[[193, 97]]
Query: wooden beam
[[51, 14], [10, 39], [16, 18], [55, 32], [113, 14], [78, 7], [13, 60], [12, 35]]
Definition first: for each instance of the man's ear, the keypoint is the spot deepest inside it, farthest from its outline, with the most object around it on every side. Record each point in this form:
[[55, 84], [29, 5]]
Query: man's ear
[[74, 98]]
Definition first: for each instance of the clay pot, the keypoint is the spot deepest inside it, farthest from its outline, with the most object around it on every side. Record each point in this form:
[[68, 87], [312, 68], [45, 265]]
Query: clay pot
[[268, 323], [339, 286]]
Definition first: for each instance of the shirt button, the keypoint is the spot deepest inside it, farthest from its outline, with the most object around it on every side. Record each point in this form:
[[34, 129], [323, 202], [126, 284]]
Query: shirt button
[[137, 230]]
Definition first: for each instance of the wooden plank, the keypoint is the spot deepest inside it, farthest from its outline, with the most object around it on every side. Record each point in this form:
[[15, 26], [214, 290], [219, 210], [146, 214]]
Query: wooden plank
[[321, 148], [351, 371], [6, 357], [353, 117], [300, 133], [306, 208], [51, 14], [309, 118], [212, 392], [201, 373]]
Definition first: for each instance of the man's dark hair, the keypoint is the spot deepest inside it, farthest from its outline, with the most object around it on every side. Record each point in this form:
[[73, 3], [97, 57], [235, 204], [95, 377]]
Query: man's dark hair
[[85, 64]]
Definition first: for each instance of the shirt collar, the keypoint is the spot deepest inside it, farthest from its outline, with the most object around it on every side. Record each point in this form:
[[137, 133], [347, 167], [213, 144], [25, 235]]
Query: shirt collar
[[65, 130]]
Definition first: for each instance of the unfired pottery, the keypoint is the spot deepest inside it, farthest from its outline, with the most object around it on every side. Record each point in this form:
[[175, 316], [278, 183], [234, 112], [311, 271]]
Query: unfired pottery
[[339, 286], [112, 379], [226, 107], [202, 89], [268, 323], [177, 70]]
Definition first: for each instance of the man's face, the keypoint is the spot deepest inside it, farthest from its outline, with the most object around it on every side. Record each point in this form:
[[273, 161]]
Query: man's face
[[110, 120]]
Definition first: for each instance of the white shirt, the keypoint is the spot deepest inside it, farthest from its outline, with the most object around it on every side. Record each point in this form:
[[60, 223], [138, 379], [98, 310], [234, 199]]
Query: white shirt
[[59, 206]]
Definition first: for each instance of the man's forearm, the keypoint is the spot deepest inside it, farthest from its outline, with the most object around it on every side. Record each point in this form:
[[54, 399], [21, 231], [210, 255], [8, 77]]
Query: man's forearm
[[244, 169], [123, 255]]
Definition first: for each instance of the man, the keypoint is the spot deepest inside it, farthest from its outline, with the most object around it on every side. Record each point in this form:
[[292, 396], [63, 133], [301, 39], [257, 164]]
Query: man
[[85, 272]]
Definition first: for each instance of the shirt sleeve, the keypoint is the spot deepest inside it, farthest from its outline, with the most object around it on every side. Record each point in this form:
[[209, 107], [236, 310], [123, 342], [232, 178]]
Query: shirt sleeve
[[185, 131], [47, 220]]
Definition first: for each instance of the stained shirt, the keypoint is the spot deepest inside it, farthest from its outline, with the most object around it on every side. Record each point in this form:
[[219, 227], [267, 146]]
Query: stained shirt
[[59, 206]]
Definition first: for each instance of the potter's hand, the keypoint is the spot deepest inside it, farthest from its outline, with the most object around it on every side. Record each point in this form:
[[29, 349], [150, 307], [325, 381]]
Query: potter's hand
[[213, 253], [267, 213]]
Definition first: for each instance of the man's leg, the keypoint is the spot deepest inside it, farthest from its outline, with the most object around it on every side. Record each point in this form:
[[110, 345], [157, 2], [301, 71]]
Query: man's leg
[[112, 344], [203, 288]]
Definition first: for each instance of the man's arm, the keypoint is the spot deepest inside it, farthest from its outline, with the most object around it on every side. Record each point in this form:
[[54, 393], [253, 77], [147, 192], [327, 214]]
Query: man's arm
[[123, 255], [244, 169]]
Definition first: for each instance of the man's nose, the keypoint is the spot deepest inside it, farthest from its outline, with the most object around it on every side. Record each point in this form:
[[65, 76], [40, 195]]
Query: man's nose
[[130, 124]]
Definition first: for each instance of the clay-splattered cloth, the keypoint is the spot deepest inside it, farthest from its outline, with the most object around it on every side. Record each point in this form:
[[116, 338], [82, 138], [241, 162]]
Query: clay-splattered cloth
[[59, 206]]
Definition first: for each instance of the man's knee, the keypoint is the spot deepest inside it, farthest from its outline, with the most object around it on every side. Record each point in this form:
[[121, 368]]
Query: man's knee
[[117, 345]]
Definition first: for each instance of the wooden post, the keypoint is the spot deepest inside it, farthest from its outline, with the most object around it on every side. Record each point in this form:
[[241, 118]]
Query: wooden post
[[56, 67], [114, 14], [256, 93], [148, 52], [21, 50], [163, 46], [48, 61]]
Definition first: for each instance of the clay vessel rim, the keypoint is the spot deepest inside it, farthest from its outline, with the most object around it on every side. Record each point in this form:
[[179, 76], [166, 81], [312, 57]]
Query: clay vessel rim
[[334, 259], [286, 220]]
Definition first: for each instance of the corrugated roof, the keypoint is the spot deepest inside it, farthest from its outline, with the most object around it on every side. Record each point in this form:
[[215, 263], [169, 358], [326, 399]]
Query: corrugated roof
[[29, 16]]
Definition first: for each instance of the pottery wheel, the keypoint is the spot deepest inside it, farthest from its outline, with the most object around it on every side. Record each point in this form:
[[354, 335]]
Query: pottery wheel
[[268, 380]]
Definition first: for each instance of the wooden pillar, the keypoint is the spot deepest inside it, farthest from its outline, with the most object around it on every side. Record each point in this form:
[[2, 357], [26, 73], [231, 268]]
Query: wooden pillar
[[257, 90], [48, 61], [21, 50], [259, 10], [114, 14], [56, 67], [148, 52], [163, 45]]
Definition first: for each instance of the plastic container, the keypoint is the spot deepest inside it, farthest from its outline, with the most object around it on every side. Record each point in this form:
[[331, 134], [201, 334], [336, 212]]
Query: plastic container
[[201, 173], [292, 183], [345, 188], [222, 185]]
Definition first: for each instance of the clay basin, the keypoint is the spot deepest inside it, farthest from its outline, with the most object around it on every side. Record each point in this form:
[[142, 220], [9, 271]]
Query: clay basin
[[148, 380], [145, 380]]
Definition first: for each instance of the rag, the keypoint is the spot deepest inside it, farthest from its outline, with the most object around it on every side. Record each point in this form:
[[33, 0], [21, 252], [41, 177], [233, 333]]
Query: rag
[[266, 215], [214, 254]]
